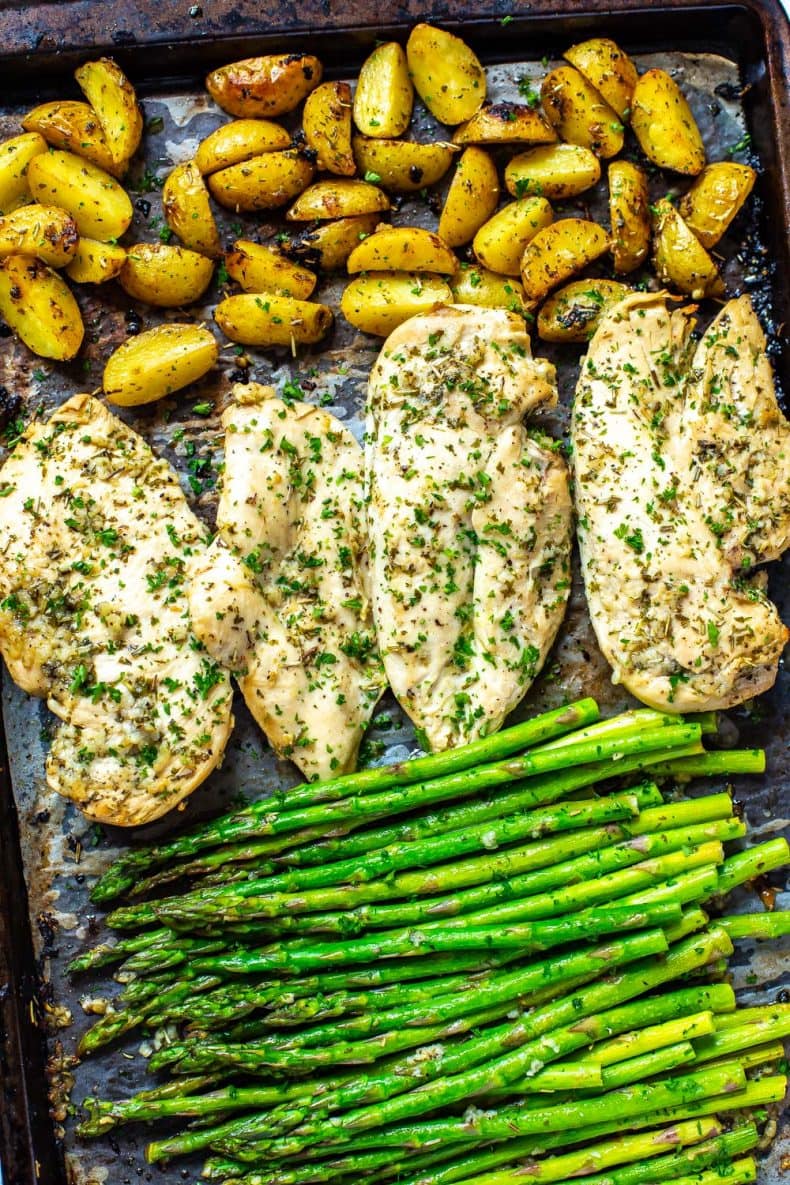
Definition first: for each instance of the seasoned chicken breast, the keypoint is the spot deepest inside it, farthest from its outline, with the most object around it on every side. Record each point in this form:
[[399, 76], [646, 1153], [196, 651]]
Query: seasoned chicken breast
[[469, 519], [97, 545], [281, 595], [682, 471]]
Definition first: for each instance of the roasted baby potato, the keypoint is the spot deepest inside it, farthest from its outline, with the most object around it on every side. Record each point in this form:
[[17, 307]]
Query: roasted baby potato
[[48, 233], [237, 141], [402, 165], [15, 156], [715, 198], [187, 210], [269, 320], [557, 252], [384, 96], [378, 303], [337, 199], [327, 245], [96, 262], [579, 114], [664, 126], [257, 268], [573, 313], [679, 258], [112, 97], [479, 286], [505, 123], [552, 171], [74, 126], [40, 308], [262, 183], [164, 275], [471, 198], [500, 242], [446, 74], [629, 212], [402, 249], [326, 120], [265, 86], [95, 200], [157, 363], [608, 69]]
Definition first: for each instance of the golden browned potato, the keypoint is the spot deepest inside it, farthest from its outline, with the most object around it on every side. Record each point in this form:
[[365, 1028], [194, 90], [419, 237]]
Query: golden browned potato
[[48, 233], [664, 126], [384, 96], [96, 262], [446, 73], [499, 244], [187, 210], [471, 198], [629, 212], [38, 305], [715, 198], [164, 275], [158, 362], [15, 156], [338, 199], [237, 141], [402, 165], [557, 252], [505, 123], [265, 86], [95, 200], [262, 183], [679, 258], [382, 301], [479, 286], [402, 249], [327, 127], [552, 171], [608, 69], [579, 114], [74, 126], [573, 313], [327, 245], [269, 320], [258, 268], [112, 97]]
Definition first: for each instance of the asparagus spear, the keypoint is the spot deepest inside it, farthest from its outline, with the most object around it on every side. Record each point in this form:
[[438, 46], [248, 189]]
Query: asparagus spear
[[753, 862], [717, 1152], [757, 925]]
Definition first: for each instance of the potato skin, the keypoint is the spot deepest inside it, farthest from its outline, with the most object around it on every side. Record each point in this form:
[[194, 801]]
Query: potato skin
[[187, 210], [505, 123], [269, 320], [74, 126], [664, 126], [552, 171], [40, 308], [471, 198], [263, 183], [484, 288], [572, 314], [327, 245], [579, 114], [95, 200], [380, 302], [557, 252], [165, 275], [680, 259], [715, 198], [384, 96], [446, 73], [96, 262], [15, 157], [402, 165], [629, 212], [157, 363], [258, 268], [337, 199], [46, 232], [112, 96], [326, 120], [237, 141], [402, 249], [608, 69], [499, 244], [264, 86]]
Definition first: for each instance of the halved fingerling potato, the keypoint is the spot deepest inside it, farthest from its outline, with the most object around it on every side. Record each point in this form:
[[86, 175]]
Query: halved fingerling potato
[[629, 213], [337, 199], [664, 126], [258, 268], [263, 183], [95, 262], [15, 157], [402, 165], [573, 313], [402, 249], [558, 252], [552, 171], [384, 96], [479, 286], [679, 258], [158, 362], [608, 69], [73, 125], [40, 308], [269, 320], [380, 302], [97, 203], [264, 86], [505, 123], [46, 232], [446, 73], [471, 198], [499, 244], [164, 275], [327, 245], [579, 114], [187, 210], [112, 97], [237, 141], [326, 120], [715, 198]]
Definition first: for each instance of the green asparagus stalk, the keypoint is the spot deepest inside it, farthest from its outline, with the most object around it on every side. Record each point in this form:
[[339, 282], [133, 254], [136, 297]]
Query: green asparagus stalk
[[753, 862], [759, 1013], [761, 926], [733, 1040], [726, 763], [115, 1024], [720, 1150], [652, 1037]]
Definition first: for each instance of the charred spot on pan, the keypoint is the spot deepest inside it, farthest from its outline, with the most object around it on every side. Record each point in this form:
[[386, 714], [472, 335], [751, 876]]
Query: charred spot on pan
[[134, 322], [10, 405]]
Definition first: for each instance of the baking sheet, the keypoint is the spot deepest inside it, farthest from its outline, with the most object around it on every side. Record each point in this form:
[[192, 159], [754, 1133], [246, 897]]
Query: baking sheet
[[62, 853]]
